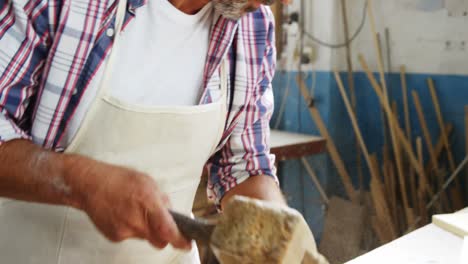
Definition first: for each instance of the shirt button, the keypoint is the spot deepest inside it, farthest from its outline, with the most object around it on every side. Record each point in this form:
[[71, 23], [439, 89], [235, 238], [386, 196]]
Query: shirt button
[[75, 91], [110, 32]]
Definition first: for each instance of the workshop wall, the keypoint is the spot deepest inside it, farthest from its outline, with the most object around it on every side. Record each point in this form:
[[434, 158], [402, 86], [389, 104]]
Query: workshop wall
[[429, 43]]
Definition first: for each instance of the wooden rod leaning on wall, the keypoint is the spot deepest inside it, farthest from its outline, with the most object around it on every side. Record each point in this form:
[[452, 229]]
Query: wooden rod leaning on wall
[[429, 145], [440, 193], [385, 225], [401, 174], [315, 179], [399, 132], [439, 147], [404, 92], [378, 54], [425, 130], [445, 185], [422, 207], [349, 64], [378, 193], [456, 191], [440, 120], [391, 124], [385, 125], [378, 48], [330, 145], [466, 137], [355, 125]]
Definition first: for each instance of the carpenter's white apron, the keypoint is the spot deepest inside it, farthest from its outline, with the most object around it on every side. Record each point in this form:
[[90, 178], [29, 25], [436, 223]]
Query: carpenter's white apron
[[171, 144]]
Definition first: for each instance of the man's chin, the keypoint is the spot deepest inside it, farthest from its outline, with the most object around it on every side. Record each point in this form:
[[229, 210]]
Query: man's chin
[[233, 9]]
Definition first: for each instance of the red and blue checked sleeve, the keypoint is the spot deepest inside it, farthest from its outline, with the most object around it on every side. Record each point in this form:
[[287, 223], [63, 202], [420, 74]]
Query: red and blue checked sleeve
[[24, 38], [247, 151]]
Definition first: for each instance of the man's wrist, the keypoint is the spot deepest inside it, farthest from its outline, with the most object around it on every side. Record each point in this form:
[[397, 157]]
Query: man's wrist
[[75, 171]]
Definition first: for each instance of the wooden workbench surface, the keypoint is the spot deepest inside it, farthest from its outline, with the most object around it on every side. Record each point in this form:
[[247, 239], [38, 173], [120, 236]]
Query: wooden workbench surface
[[287, 145], [427, 245]]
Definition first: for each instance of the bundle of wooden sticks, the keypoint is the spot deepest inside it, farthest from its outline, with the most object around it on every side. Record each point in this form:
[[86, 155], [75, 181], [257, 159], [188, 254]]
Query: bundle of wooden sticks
[[404, 190]]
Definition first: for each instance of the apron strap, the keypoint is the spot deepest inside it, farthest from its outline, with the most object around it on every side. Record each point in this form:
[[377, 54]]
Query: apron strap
[[120, 17], [224, 78]]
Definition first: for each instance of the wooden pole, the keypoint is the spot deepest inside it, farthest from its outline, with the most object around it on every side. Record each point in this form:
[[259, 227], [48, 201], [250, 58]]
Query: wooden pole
[[354, 123], [401, 177], [372, 164], [386, 226], [393, 197], [421, 202], [378, 48], [439, 147], [425, 130], [441, 122], [466, 137], [315, 179], [332, 150], [391, 128], [349, 64], [385, 126], [389, 50], [455, 191], [399, 132], [429, 145], [404, 92]]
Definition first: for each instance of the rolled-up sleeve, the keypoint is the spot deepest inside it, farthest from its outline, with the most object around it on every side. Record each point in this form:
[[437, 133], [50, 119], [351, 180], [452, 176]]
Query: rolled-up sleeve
[[24, 34], [247, 151]]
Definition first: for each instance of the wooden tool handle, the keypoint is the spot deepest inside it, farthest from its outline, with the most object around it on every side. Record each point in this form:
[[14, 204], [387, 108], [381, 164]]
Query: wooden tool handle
[[194, 228]]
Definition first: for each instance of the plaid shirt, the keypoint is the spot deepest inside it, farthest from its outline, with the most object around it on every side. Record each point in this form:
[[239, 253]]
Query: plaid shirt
[[51, 49]]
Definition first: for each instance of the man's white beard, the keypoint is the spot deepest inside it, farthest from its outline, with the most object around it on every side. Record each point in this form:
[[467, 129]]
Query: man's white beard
[[232, 9]]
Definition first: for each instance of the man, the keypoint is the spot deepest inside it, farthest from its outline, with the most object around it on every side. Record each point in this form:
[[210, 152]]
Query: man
[[110, 109]]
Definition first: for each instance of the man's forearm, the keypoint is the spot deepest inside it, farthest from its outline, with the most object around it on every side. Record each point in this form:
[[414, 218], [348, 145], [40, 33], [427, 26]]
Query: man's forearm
[[259, 187], [30, 173], [136, 206]]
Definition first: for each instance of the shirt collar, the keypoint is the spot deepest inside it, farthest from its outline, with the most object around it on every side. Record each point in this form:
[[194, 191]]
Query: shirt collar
[[134, 4]]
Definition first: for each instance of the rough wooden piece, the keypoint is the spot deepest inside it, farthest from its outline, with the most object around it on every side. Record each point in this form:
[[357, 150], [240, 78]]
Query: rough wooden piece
[[252, 231], [332, 150]]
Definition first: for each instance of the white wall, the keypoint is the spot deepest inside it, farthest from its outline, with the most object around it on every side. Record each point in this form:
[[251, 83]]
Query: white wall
[[321, 22], [426, 42]]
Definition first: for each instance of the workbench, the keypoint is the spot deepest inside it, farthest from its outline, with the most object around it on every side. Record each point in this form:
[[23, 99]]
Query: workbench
[[288, 145], [285, 145], [427, 245]]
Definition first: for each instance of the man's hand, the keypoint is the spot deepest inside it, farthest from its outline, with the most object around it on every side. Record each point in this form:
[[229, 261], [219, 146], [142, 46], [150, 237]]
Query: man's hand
[[122, 203]]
